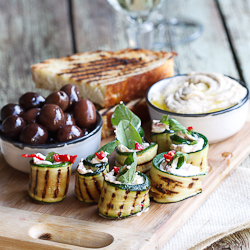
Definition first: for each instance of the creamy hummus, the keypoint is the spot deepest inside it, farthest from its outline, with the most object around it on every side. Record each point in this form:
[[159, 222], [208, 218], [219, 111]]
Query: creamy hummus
[[201, 93], [186, 169], [110, 176]]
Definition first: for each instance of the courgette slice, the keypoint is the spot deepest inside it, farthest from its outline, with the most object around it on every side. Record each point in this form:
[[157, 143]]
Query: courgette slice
[[49, 183], [123, 200], [167, 187], [199, 157], [144, 157], [88, 186], [163, 140]]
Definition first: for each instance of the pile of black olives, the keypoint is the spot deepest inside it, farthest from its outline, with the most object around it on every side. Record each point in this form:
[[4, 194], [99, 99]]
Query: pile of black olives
[[61, 117]]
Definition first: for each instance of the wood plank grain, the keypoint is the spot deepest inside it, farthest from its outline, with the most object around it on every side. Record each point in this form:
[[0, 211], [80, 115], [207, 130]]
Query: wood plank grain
[[237, 18], [31, 31], [211, 51], [98, 26]]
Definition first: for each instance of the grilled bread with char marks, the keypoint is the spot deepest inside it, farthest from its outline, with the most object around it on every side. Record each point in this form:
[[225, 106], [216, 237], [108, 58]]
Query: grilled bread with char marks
[[106, 77]]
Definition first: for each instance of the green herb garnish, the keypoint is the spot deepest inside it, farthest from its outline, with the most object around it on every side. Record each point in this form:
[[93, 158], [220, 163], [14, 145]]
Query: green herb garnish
[[182, 157], [123, 113], [127, 175], [176, 126], [50, 156], [127, 135], [109, 147], [165, 119]]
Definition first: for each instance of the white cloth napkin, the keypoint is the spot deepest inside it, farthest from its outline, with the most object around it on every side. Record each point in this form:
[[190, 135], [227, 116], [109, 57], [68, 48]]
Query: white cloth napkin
[[226, 211]]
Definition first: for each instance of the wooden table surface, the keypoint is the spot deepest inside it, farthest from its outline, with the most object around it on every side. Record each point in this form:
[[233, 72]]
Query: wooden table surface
[[33, 30]]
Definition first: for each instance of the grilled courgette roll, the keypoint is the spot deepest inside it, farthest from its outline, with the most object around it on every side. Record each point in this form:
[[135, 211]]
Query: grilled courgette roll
[[125, 192], [195, 145], [145, 154], [49, 176], [171, 135], [90, 174], [89, 180], [160, 134], [174, 179]]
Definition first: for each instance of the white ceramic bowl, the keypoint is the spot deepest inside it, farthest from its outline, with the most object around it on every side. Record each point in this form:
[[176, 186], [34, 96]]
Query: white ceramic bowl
[[216, 126], [82, 147]]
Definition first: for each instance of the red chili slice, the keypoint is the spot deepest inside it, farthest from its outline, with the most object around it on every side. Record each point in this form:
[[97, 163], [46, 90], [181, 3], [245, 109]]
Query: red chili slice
[[138, 146], [73, 158], [100, 155], [56, 157], [116, 169], [190, 128], [32, 155], [169, 156]]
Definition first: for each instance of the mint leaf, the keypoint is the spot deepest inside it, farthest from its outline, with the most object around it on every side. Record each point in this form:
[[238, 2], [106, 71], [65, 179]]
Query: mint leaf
[[176, 126], [50, 156], [129, 175], [123, 113], [165, 119], [109, 147], [180, 162], [127, 135], [182, 157]]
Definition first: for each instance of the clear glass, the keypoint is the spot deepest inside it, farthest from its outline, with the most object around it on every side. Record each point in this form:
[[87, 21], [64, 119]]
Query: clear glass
[[140, 32]]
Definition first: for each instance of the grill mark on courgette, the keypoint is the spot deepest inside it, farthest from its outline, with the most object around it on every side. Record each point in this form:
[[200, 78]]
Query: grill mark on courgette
[[45, 184], [159, 188], [195, 179], [127, 191], [136, 197], [36, 180], [190, 185], [87, 190], [168, 180], [201, 162], [67, 183], [57, 183], [98, 188], [79, 186]]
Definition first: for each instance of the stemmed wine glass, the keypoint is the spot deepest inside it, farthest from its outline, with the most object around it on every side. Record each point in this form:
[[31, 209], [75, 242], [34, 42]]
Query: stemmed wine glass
[[149, 29], [140, 32]]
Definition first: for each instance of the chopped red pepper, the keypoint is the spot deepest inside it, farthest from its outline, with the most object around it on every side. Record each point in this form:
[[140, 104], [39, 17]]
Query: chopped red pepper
[[100, 155], [32, 155], [73, 158], [142, 205], [169, 156], [65, 158], [190, 128], [138, 146], [116, 169]]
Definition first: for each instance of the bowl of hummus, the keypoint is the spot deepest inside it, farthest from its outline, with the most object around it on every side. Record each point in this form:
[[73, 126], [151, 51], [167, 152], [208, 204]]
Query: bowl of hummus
[[213, 104]]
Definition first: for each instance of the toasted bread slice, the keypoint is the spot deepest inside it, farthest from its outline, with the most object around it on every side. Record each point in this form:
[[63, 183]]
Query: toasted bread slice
[[106, 77], [138, 106]]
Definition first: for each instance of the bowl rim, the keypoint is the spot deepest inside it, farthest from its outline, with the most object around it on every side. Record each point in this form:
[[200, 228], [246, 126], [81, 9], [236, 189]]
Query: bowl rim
[[234, 107], [55, 145]]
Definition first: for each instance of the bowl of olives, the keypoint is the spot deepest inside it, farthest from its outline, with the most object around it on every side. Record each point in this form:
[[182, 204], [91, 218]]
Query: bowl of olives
[[62, 122]]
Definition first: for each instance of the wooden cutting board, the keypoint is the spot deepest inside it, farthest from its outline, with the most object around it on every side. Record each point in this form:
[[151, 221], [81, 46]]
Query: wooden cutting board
[[71, 224]]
